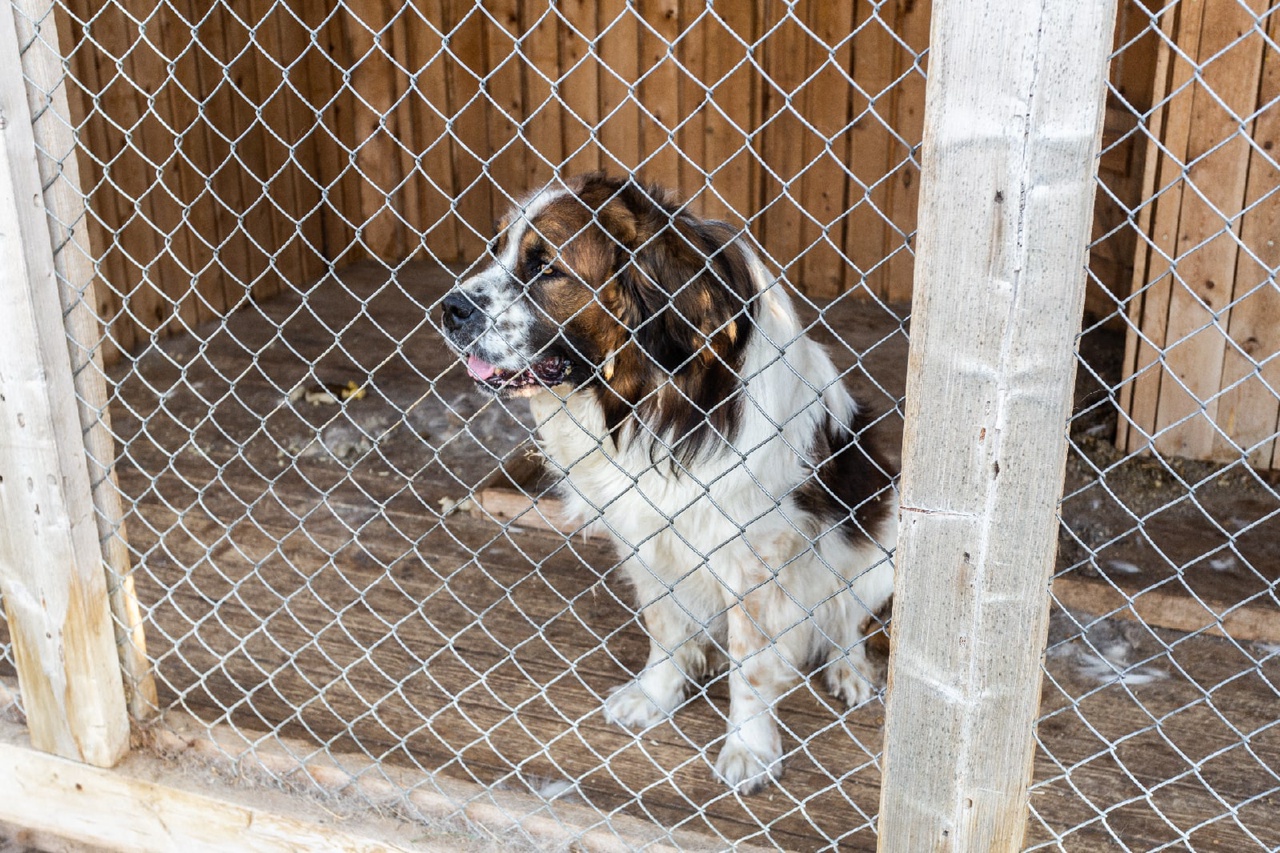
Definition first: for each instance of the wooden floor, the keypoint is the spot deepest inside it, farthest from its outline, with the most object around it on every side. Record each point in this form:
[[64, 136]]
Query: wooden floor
[[297, 575]]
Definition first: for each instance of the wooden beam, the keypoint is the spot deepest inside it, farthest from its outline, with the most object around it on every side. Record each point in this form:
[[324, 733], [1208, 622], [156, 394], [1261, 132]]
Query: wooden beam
[[74, 265], [113, 811], [194, 786], [1013, 123], [51, 563]]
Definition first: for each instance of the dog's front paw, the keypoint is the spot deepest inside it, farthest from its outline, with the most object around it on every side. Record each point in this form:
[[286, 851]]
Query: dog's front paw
[[632, 706], [854, 681], [747, 770]]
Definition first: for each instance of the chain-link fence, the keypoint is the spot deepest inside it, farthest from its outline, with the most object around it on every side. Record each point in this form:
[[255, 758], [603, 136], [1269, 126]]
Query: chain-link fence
[[346, 554], [1162, 664]]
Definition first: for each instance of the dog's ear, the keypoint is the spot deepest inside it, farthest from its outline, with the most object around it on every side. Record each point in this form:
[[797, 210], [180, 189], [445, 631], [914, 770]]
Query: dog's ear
[[688, 286]]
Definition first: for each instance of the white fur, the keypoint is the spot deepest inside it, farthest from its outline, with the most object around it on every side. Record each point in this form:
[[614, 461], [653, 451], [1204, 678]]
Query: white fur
[[509, 314], [720, 556]]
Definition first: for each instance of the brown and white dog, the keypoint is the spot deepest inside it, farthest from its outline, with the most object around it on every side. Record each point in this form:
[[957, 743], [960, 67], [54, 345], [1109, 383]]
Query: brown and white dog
[[674, 388]]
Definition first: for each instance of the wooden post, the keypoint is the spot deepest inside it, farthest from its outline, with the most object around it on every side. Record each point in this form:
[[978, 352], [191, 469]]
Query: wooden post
[[1012, 127], [73, 262], [51, 563]]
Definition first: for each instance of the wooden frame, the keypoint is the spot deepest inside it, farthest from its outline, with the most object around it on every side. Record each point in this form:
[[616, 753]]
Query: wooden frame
[[51, 563], [1011, 145]]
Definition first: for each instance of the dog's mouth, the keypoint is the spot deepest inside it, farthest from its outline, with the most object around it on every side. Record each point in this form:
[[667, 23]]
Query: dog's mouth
[[546, 372]]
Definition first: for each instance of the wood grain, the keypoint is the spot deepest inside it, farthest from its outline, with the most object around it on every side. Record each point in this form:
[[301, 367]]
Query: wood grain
[[1007, 197], [51, 564]]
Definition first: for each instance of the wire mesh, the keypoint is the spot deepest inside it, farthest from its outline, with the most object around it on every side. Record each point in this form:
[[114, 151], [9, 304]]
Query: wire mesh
[[331, 532], [277, 199], [1162, 660]]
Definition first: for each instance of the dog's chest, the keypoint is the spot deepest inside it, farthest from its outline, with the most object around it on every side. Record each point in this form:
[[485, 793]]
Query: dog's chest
[[632, 487]]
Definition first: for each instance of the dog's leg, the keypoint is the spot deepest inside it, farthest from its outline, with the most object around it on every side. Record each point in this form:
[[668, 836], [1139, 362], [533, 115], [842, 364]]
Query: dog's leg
[[849, 674], [676, 657], [768, 639]]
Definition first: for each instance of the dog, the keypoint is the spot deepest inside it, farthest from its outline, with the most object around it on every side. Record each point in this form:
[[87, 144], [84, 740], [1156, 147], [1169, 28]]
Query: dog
[[675, 390]]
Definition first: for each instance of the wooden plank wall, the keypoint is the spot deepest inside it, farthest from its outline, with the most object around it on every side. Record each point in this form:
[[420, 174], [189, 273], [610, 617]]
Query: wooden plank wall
[[234, 149], [1201, 376]]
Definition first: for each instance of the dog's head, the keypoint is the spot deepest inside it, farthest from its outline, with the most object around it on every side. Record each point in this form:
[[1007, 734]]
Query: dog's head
[[605, 286]]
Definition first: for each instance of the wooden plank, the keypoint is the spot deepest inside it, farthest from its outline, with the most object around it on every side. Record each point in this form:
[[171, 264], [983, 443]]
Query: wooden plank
[[280, 45], [1179, 612], [659, 91], [83, 57], [1158, 220], [73, 264], [543, 130], [1121, 168], [781, 142], [553, 824], [468, 105], [692, 95], [133, 238], [1250, 411], [905, 114], [874, 67], [507, 67], [1007, 200], [580, 86], [509, 505], [731, 114], [194, 73], [824, 185], [51, 565], [116, 811], [376, 85], [431, 189], [620, 61], [332, 135], [1230, 59]]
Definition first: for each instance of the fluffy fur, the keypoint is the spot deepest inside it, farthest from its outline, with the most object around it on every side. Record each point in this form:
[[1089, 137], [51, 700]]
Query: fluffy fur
[[675, 390]]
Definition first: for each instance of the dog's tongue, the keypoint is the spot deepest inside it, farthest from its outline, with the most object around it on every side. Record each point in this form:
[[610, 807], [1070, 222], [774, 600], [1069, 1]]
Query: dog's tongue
[[479, 370]]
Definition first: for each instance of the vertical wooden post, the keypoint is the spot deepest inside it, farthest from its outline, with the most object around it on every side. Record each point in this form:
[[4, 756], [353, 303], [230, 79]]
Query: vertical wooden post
[[73, 262], [1013, 120], [51, 563]]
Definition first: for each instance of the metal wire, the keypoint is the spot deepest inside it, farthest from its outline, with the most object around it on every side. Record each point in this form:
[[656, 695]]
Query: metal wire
[[277, 197]]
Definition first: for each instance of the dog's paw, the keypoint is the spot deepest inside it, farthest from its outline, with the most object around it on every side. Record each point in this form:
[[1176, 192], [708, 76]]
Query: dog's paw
[[853, 685], [635, 708], [746, 770]]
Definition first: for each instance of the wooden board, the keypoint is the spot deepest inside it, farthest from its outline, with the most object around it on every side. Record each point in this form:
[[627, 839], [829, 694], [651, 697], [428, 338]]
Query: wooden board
[[51, 563], [1003, 246]]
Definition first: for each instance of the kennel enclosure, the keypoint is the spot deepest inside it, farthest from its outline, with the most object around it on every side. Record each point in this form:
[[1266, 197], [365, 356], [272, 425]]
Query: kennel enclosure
[[329, 566]]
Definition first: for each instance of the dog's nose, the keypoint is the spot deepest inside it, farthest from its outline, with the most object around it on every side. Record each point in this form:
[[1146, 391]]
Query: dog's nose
[[457, 310]]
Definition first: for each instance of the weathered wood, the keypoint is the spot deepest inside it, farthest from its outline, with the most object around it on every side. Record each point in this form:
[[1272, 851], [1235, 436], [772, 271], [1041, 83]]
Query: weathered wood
[[824, 186], [619, 114], [1151, 288], [1206, 239], [1249, 411], [658, 91], [731, 112], [112, 810], [579, 88], [378, 84], [872, 148], [1012, 129], [1258, 622], [73, 264], [905, 114], [51, 563]]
